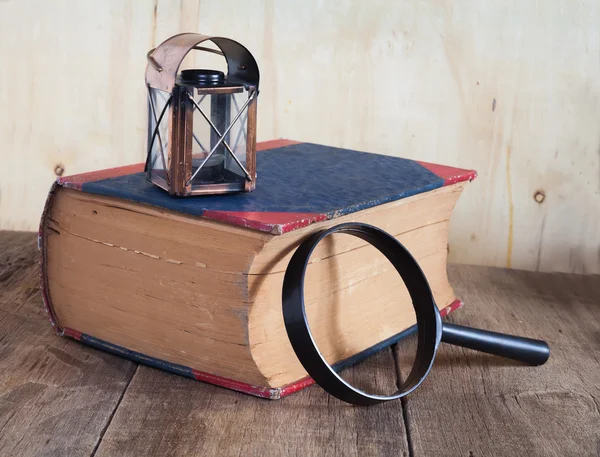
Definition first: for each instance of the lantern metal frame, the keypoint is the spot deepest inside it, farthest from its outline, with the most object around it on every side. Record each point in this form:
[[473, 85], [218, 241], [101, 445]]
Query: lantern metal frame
[[175, 151]]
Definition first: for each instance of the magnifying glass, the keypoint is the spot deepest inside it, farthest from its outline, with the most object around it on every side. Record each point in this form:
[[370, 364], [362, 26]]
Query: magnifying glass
[[431, 329]]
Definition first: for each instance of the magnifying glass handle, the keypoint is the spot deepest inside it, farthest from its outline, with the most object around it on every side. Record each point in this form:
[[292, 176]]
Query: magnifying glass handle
[[533, 352]]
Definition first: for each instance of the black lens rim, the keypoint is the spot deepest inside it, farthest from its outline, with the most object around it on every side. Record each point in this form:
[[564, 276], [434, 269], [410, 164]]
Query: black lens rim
[[429, 323]]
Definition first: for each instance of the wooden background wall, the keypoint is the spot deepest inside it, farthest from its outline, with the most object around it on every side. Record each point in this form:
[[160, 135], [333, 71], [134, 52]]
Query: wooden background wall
[[511, 88]]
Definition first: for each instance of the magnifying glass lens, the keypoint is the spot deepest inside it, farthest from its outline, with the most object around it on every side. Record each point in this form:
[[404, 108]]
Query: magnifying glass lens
[[359, 319], [358, 309]]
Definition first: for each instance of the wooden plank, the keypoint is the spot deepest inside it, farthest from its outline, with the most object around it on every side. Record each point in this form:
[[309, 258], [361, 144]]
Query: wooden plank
[[56, 396], [165, 415], [474, 404], [72, 119], [509, 88]]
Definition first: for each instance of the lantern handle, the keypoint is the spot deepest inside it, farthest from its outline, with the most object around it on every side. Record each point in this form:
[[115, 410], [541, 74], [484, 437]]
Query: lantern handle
[[158, 68], [165, 59]]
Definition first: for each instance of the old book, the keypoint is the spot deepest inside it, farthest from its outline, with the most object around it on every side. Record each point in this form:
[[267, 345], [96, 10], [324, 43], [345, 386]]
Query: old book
[[193, 285]]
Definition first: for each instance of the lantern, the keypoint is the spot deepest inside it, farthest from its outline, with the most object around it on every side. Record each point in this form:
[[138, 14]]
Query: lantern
[[201, 122]]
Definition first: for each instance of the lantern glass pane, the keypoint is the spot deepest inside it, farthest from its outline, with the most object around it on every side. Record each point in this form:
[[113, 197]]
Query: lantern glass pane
[[218, 111], [158, 140]]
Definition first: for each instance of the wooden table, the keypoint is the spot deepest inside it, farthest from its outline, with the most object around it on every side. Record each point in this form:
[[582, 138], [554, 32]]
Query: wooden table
[[58, 397]]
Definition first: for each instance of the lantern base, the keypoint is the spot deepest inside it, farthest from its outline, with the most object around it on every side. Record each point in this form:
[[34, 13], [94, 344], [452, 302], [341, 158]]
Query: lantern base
[[203, 188]]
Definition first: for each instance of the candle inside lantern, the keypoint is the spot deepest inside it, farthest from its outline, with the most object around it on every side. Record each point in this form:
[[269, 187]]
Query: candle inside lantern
[[212, 97]]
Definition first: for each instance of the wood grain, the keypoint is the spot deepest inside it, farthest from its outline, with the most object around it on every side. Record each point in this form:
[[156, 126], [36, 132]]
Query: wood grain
[[509, 88], [168, 416], [474, 404], [58, 397]]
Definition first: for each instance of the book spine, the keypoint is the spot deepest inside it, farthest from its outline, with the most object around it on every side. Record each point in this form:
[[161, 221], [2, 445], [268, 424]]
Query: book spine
[[43, 259]]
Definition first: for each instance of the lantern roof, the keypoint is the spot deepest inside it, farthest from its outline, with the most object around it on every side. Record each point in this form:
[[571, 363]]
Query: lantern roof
[[164, 60]]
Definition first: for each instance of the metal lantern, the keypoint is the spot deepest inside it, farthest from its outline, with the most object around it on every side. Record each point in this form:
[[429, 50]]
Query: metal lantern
[[201, 123]]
